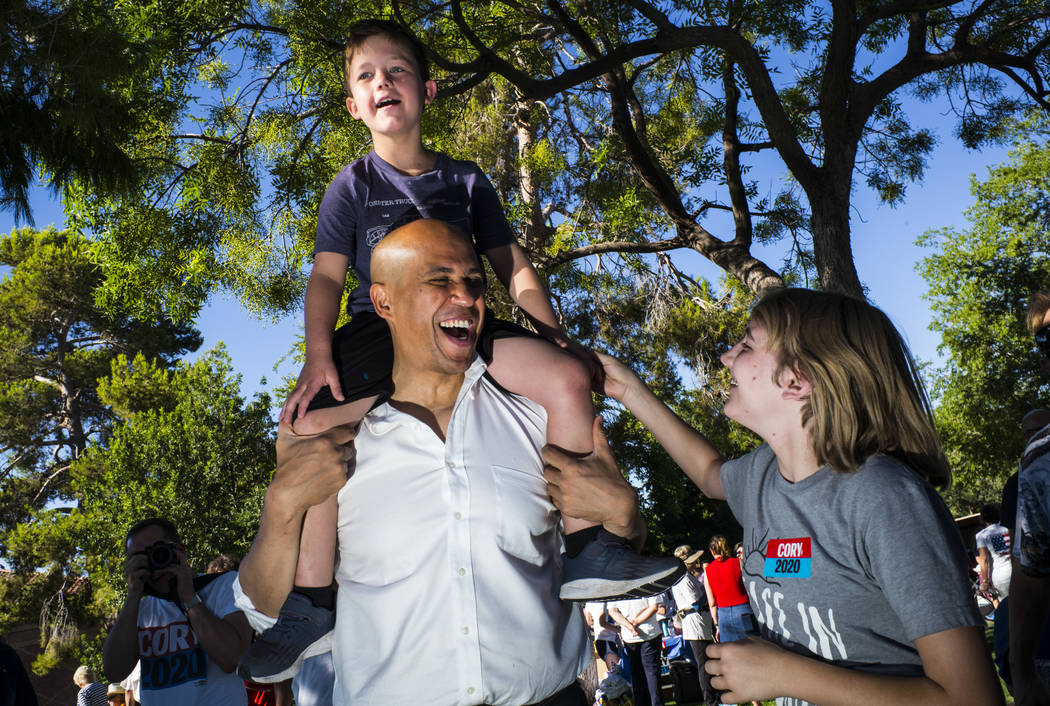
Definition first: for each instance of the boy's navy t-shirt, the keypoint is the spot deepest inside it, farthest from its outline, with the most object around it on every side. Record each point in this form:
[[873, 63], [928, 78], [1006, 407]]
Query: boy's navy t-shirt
[[369, 198]]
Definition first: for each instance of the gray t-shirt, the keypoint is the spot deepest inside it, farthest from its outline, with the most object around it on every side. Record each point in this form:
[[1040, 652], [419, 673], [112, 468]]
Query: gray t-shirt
[[368, 198], [849, 568]]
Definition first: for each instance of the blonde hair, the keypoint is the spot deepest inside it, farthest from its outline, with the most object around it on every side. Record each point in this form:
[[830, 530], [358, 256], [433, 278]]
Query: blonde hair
[[1038, 305], [718, 546], [867, 396], [83, 676]]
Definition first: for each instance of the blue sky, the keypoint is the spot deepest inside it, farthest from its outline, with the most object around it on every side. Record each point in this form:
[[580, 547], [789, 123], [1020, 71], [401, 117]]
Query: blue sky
[[883, 244]]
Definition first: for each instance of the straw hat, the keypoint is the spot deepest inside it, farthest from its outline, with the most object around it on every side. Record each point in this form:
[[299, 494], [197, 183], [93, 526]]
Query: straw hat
[[687, 555], [114, 689]]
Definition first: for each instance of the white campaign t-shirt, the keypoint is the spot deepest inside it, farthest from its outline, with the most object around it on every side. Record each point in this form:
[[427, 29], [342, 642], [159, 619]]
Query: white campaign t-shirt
[[175, 669]]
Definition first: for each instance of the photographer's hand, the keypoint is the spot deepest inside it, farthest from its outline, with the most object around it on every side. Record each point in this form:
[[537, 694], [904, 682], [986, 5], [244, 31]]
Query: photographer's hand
[[136, 569], [183, 576]]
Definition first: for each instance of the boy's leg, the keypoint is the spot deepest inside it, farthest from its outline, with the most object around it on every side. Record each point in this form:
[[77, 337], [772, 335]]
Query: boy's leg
[[599, 565], [308, 614]]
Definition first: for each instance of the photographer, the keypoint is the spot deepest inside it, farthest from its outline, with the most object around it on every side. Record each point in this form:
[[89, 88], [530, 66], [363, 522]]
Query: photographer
[[186, 631]]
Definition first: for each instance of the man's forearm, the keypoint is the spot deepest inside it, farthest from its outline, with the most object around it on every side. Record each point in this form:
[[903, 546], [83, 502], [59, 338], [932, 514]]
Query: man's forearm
[[267, 573], [120, 651], [219, 639]]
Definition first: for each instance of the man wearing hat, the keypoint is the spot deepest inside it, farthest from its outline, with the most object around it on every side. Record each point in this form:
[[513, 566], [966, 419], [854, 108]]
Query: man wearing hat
[[695, 614], [116, 696]]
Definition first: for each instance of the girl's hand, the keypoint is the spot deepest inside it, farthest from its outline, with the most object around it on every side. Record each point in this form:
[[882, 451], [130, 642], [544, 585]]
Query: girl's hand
[[316, 373], [746, 670], [618, 377]]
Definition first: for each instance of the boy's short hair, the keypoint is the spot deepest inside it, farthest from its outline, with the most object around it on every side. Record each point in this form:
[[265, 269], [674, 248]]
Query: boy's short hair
[[361, 31]]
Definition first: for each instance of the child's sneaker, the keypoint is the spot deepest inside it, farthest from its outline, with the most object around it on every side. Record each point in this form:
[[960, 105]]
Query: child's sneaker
[[608, 569], [302, 630]]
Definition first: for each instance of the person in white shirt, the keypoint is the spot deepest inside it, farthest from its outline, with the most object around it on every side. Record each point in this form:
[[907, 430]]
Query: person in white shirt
[[606, 638], [993, 555], [445, 588], [639, 622]]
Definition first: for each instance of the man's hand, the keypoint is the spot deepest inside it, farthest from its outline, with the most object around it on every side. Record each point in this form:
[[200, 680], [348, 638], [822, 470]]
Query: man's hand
[[318, 371], [136, 570], [312, 468], [746, 670], [182, 574], [592, 487]]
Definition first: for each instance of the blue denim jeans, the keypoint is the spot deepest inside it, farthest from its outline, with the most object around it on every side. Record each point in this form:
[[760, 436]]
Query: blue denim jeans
[[736, 622]]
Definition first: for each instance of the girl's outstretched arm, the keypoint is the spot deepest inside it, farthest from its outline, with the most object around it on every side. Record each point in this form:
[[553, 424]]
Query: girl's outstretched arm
[[689, 449]]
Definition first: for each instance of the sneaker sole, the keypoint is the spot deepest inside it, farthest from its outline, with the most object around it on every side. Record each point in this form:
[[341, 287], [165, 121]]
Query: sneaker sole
[[319, 646], [596, 589]]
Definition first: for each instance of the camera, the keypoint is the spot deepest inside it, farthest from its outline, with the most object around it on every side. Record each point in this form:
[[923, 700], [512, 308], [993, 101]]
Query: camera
[[160, 555]]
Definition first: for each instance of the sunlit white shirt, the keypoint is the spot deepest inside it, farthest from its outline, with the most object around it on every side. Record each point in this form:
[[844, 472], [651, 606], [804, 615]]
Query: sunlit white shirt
[[449, 561]]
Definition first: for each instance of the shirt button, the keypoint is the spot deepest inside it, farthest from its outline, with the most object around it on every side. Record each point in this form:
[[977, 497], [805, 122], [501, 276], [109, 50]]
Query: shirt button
[[458, 515], [451, 464], [466, 631], [470, 690], [462, 572]]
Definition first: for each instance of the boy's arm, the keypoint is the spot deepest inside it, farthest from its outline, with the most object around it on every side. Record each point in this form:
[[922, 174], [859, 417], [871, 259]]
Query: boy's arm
[[324, 293], [984, 563], [514, 269]]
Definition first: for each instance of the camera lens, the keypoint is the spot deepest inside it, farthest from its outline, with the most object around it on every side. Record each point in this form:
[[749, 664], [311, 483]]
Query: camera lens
[[160, 555]]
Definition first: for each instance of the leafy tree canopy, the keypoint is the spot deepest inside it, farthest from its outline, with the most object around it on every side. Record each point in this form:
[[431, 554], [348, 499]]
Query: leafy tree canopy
[[623, 128], [980, 281], [71, 95], [57, 344], [187, 447]]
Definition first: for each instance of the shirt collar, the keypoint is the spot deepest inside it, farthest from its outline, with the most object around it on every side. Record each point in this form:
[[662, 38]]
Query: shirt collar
[[385, 418]]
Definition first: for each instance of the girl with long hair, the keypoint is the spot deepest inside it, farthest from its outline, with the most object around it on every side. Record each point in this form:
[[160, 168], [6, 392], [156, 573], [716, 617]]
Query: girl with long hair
[[862, 596]]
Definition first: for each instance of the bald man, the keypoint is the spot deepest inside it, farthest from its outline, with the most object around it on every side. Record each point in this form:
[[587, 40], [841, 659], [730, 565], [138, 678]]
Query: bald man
[[448, 541]]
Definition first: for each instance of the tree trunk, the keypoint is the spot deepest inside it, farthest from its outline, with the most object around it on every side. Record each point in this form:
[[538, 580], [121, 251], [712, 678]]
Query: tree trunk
[[829, 223], [533, 229]]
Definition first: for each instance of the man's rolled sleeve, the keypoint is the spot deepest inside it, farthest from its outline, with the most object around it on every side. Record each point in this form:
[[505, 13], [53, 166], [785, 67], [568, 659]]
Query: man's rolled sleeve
[[259, 621]]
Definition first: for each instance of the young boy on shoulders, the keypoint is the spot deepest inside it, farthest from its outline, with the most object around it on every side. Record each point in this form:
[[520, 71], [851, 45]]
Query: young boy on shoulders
[[348, 372]]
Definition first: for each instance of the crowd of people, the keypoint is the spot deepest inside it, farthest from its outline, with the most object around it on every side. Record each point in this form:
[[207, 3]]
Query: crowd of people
[[445, 499]]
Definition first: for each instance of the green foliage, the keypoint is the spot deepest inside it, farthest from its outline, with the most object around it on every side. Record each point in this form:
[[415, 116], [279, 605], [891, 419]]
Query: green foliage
[[980, 281], [57, 344], [187, 448], [201, 457], [243, 126], [70, 96]]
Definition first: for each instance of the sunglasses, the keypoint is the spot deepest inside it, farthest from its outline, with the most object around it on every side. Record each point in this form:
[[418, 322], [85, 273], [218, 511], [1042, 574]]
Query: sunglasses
[[1042, 340]]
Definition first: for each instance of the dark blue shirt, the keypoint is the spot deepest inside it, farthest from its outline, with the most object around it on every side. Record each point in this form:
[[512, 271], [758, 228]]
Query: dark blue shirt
[[369, 198]]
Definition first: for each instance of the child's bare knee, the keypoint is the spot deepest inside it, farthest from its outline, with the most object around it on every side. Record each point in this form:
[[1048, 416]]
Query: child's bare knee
[[570, 382]]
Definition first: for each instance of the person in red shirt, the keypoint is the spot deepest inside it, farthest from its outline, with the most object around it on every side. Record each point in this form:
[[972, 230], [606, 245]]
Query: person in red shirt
[[725, 591]]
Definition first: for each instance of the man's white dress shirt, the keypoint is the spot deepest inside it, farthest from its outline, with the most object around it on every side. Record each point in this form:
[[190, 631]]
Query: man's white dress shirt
[[449, 563]]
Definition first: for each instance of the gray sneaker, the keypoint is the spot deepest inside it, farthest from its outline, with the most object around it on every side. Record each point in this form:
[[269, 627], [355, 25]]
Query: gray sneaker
[[608, 569], [302, 630]]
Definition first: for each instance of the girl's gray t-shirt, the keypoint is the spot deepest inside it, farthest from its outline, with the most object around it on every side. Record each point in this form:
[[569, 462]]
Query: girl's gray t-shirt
[[849, 568]]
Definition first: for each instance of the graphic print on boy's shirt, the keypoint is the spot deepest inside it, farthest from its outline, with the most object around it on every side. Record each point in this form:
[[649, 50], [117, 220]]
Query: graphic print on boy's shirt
[[170, 656]]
